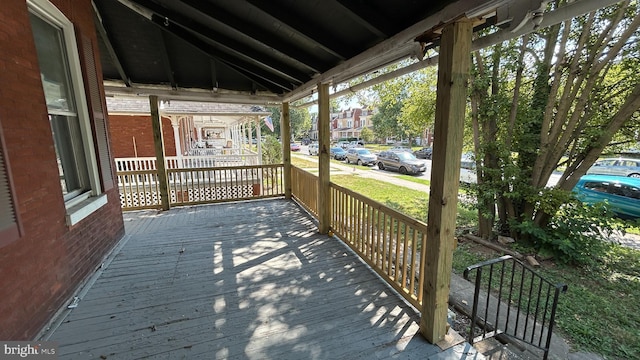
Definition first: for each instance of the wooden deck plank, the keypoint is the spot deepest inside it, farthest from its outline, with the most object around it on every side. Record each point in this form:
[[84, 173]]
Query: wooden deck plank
[[249, 280]]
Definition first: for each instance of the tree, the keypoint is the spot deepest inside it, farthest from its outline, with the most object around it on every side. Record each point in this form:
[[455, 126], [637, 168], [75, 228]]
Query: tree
[[367, 135], [385, 121], [271, 150], [299, 117], [419, 108], [582, 91]]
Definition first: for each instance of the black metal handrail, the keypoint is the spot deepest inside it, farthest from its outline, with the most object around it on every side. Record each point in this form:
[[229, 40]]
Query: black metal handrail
[[513, 292]]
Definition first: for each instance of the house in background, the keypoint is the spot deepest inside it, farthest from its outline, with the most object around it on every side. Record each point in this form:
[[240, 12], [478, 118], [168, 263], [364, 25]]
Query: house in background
[[189, 128]]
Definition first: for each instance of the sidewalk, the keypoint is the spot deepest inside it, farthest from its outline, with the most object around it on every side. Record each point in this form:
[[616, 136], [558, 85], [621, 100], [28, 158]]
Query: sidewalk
[[461, 291]]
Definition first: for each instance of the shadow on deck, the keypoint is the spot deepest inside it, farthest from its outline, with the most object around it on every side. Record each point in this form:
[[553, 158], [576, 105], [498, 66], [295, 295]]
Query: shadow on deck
[[248, 280]]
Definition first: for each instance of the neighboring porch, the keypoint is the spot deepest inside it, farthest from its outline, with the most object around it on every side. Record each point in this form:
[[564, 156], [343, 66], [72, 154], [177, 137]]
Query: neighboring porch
[[243, 280]]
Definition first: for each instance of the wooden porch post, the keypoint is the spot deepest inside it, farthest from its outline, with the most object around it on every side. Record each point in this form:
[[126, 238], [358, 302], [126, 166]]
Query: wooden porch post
[[453, 75], [324, 143], [285, 135], [158, 141]]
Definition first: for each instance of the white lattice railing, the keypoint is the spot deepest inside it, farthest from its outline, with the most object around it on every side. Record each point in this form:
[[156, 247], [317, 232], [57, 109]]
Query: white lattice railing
[[186, 162], [140, 189]]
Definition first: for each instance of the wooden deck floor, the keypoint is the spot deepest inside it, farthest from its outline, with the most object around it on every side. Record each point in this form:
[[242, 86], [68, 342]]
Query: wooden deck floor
[[249, 280]]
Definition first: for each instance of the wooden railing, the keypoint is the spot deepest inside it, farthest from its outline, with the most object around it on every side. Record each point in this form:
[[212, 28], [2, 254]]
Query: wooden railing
[[141, 190], [389, 241], [211, 185], [304, 188]]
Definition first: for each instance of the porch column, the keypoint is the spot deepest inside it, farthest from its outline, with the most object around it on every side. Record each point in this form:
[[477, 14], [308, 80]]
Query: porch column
[[285, 135], [199, 130], [249, 134], [259, 140], [453, 76], [175, 123], [324, 144], [158, 141], [242, 137]]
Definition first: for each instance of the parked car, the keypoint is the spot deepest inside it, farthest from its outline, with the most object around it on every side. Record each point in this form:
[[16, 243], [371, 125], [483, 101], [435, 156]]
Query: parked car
[[343, 144], [361, 156], [338, 153], [468, 170], [621, 193], [313, 149], [402, 161], [295, 147], [619, 166], [424, 153], [400, 148]]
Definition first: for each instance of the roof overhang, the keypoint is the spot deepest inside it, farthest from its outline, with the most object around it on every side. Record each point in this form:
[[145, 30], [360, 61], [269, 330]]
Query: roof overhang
[[258, 52]]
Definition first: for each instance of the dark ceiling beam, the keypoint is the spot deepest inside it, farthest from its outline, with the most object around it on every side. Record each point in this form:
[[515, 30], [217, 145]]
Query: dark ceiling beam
[[364, 17], [258, 74], [168, 68], [252, 33], [102, 32], [300, 27], [229, 45]]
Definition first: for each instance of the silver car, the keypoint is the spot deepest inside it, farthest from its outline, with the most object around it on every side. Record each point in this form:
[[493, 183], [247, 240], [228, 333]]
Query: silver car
[[361, 156], [402, 161], [313, 149], [618, 167]]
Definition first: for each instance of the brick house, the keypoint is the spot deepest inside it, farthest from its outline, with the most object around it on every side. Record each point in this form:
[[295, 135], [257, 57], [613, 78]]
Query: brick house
[[59, 209], [345, 123], [185, 125]]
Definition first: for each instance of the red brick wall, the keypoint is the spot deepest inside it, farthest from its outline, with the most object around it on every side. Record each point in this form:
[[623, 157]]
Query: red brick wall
[[124, 128], [40, 271]]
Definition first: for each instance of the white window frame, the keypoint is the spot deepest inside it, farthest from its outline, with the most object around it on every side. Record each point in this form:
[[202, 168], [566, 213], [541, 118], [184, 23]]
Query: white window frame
[[81, 206]]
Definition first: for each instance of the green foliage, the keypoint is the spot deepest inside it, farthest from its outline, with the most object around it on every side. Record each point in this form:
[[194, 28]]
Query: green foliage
[[367, 135], [271, 151], [300, 121], [385, 121], [419, 108], [577, 234], [600, 312]]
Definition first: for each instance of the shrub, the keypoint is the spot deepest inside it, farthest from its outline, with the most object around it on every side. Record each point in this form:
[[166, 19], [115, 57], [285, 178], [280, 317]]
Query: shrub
[[577, 234]]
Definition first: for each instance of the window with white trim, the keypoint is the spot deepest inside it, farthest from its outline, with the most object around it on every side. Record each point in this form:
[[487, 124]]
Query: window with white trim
[[61, 77]]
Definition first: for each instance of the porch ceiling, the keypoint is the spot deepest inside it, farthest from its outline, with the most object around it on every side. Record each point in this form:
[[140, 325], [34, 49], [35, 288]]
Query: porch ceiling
[[263, 51], [251, 51]]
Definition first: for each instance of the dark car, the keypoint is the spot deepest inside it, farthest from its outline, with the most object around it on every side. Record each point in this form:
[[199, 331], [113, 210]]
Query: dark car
[[424, 153], [621, 193], [361, 156], [338, 153], [401, 161]]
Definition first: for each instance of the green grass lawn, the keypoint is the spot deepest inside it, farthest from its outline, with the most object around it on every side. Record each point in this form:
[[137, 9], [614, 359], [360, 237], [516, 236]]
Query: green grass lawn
[[303, 163], [411, 202], [600, 312]]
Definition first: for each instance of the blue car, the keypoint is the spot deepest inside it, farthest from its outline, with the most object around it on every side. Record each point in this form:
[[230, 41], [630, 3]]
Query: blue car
[[621, 193]]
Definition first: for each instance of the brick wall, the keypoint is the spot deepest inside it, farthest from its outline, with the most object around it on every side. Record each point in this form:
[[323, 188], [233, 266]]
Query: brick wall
[[40, 270], [124, 128]]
